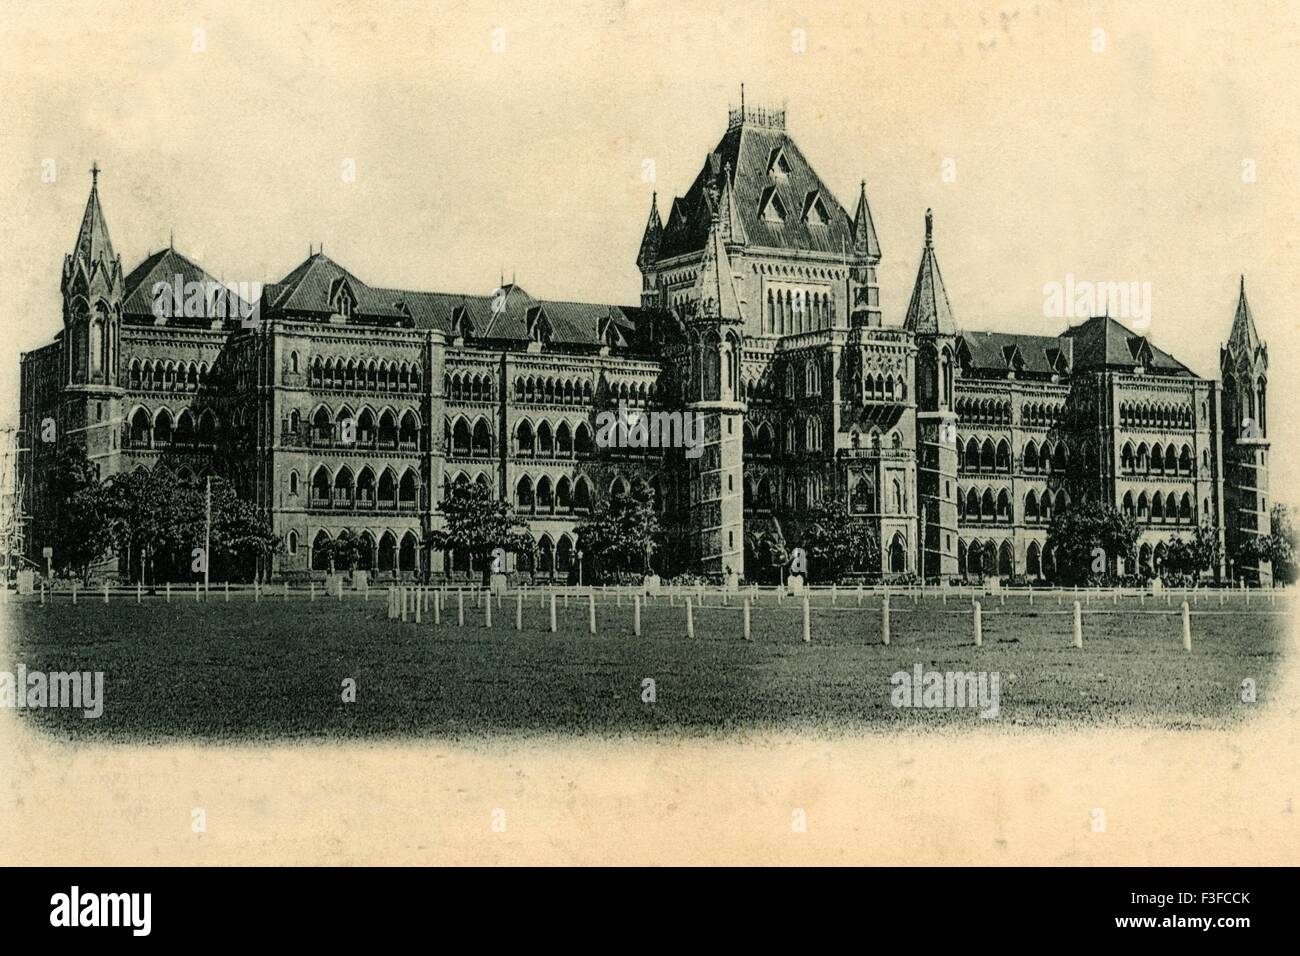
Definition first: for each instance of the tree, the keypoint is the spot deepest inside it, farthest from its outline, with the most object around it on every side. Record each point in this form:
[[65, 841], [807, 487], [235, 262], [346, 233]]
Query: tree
[[161, 519], [478, 522], [1281, 544], [1091, 533], [80, 526], [835, 541], [1192, 558], [622, 535]]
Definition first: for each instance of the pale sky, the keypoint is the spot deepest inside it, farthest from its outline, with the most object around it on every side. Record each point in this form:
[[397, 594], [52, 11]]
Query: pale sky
[[1121, 165]]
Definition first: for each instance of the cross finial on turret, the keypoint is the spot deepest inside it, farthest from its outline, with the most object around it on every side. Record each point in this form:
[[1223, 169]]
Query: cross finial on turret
[[94, 174]]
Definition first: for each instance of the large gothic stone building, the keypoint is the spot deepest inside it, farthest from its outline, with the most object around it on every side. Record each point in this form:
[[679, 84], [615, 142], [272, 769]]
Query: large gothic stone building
[[342, 406]]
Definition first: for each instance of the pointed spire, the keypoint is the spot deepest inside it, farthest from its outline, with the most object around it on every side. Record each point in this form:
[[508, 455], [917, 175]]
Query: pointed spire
[[715, 288], [865, 242], [1244, 339], [729, 223], [653, 235], [93, 245], [929, 311]]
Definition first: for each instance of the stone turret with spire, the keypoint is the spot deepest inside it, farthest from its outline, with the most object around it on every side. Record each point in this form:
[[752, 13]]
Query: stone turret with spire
[[1243, 364], [92, 286]]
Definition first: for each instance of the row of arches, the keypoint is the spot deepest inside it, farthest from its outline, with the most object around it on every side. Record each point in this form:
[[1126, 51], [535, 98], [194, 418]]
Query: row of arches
[[469, 387], [546, 497], [988, 558], [373, 374], [1038, 415], [552, 391], [167, 376], [974, 506], [1167, 508], [365, 429], [161, 430], [1157, 460], [562, 440], [792, 311], [340, 488], [387, 554], [983, 411], [1154, 415]]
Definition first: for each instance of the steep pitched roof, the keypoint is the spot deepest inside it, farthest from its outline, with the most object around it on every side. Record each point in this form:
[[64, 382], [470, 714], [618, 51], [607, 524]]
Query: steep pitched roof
[[929, 310], [1030, 354], [1243, 339], [307, 289], [1103, 342], [164, 266], [749, 150]]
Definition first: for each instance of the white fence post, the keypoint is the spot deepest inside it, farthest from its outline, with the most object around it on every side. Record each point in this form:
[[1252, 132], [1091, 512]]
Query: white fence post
[[1187, 628], [748, 633], [979, 627], [1078, 625], [807, 632], [884, 620]]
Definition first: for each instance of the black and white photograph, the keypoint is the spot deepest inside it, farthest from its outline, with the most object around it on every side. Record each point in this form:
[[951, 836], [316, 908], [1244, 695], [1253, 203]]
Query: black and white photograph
[[606, 433]]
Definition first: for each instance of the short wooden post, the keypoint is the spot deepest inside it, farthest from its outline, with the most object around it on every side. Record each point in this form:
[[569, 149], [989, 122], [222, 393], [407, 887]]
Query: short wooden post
[[417, 607], [1187, 628], [884, 620], [690, 618], [312, 593], [196, 592], [487, 612], [405, 599], [169, 592], [979, 625], [139, 593], [286, 592], [105, 592], [553, 627], [748, 634], [226, 593], [807, 631], [519, 610], [1078, 625], [859, 594], [437, 607], [460, 608], [591, 612], [834, 593], [636, 615], [74, 592]]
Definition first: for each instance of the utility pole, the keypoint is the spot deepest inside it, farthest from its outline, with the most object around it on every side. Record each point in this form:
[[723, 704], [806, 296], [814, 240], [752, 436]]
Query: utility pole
[[207, 534]]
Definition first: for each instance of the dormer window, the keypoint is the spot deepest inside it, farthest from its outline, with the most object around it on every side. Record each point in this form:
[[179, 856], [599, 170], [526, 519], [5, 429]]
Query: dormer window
[[342, 300], [540, 329], [815, 212], [777, 164], [770, 206], [462, 325]]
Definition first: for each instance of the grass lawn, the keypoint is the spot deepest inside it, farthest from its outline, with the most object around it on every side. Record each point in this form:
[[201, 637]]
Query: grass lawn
[[275, 670]]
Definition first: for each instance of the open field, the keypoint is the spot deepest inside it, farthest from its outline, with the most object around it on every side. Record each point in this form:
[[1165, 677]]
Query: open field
[[243, 670]]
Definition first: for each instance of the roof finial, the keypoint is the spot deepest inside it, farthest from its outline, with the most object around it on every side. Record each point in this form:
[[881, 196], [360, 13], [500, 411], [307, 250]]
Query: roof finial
[[742, 101], [171, 239], [94, 173], [1243, 283], [929, 229]]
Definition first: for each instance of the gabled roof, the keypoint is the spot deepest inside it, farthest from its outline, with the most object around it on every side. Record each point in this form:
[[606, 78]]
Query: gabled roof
[[751, 151], [306, 291], [929, 310], [1003, 351], [1102, 342], [164, 266]]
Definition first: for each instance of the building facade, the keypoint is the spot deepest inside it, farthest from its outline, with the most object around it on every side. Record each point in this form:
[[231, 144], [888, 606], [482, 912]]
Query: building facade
[[340, 406]]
